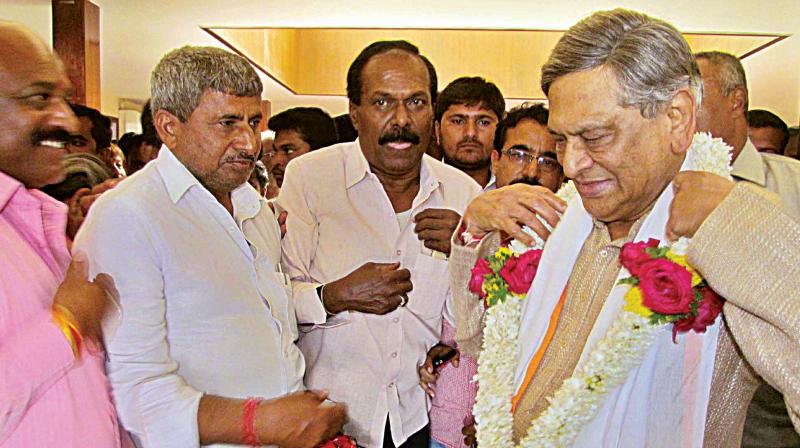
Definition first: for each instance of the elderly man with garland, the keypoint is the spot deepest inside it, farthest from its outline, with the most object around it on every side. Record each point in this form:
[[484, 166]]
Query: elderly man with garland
[[624, 91]]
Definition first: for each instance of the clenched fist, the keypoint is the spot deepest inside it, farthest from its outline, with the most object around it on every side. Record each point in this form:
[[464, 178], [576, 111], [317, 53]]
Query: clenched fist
[[374, 288], [697, 194]]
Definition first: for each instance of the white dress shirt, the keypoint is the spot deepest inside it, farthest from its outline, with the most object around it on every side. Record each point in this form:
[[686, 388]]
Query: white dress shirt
[[340, 218], [204, 305]]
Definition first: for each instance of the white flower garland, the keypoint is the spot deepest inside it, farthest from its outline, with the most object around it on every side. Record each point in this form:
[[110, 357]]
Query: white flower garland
[[577, 401]]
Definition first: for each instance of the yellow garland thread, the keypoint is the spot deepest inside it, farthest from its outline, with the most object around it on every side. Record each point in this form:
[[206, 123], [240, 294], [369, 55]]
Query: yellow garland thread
[[65, 321]]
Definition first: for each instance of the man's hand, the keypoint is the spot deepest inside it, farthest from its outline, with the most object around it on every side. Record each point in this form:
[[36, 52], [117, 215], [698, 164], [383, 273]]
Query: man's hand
[[374, 288], [299, 420], [470, 432], [282, 222], [435, 226], [75, 214], [427, 374], [510, 208], [86, 300], [697, 194]]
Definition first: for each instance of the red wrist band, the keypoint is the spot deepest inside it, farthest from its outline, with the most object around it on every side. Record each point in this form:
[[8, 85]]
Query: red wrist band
[[249, 408]]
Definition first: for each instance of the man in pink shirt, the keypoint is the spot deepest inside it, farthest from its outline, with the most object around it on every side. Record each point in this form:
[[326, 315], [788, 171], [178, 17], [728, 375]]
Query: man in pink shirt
[[53, 389]]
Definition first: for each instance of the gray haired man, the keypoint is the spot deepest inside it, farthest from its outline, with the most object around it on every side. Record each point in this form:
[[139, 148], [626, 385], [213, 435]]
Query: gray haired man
[[202, 350], [623, 90]]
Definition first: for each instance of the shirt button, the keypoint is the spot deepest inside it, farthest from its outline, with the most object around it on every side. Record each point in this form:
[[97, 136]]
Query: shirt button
[[394, 355], [604, 253], [396, 320], [399, 252], [598, 225], [391, 385]]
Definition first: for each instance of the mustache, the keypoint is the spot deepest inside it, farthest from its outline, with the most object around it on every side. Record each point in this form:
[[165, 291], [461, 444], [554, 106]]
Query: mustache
[[58, 134], [527, 180], [470, 141], [241, 158], [401, 135]]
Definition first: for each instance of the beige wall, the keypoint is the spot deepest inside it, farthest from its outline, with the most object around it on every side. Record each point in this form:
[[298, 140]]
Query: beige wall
[[135, 33], [35, 14]]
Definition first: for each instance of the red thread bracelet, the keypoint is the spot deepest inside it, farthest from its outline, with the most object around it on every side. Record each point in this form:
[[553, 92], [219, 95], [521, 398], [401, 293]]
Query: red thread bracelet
[[249, 436]]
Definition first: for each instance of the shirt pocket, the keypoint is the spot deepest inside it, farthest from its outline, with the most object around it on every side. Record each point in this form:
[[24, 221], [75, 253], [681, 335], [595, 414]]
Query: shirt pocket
[[430, 281]]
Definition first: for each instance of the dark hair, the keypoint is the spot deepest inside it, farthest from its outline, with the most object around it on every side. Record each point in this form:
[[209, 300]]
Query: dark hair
[[474, 91], [149, 132], [260, 171], [81, 170], [345, 129], [101, 125], [314, 125], [760, 118], [130, 142], [511, 119], [374, 49]]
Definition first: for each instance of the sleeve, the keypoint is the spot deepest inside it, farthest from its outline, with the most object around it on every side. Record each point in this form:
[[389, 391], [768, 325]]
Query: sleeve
[[299, 247], [747, 250], [468, 307], [30, 362], [153, 402]]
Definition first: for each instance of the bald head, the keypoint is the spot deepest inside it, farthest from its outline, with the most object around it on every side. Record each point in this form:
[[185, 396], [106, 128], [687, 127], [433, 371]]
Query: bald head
[[35, 120]]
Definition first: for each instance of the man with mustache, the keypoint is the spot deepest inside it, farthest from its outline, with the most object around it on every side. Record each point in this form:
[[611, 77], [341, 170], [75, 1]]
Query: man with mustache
[[202, 349], [52, 382], [467, 113], [525, 151], [366, 245]]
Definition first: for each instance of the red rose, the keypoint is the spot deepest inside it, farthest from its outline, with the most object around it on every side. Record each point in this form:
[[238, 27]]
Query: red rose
[[633, 255], [479, 271], [340, 441], [708, 310], [519, 272], [707, 313], [666, 287]]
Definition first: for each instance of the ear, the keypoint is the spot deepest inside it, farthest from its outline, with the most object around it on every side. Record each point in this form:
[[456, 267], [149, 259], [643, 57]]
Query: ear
[[353, 115], [495, 159], [167, 126], [681, 117], [738, 99], [437, 129]]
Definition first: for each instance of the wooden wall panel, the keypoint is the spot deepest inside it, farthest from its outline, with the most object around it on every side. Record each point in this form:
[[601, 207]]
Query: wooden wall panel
[[76, 40]]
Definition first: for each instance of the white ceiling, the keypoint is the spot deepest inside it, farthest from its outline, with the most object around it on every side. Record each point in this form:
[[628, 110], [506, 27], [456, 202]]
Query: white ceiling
[[135, 33]]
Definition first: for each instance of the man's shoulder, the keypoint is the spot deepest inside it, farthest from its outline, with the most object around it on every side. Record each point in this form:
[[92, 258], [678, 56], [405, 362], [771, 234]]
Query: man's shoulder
[[449, 175], [141, 190], [323, 158], [783, 162]]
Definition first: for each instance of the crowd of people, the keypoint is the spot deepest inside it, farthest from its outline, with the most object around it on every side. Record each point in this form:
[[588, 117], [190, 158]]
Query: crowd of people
[[204, 283]]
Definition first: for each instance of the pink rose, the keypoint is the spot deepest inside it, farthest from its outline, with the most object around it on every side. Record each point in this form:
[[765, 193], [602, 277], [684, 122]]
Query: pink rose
[[519, 272], [666, 287], [633, 255], [479, 272], [707, 313]]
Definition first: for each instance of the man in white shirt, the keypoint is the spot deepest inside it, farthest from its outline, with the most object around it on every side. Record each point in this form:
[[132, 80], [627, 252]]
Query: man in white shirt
[[369, 220], [205, 319]]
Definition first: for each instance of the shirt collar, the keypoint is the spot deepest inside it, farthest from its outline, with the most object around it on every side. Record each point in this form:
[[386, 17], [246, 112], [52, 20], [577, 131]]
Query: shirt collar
[[8, 186], [356, 168], [492, 185], [177, 178], [749, 166], [246, 202]]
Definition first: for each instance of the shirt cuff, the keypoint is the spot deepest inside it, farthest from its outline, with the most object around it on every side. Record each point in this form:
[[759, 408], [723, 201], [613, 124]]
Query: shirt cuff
[[307, 304]]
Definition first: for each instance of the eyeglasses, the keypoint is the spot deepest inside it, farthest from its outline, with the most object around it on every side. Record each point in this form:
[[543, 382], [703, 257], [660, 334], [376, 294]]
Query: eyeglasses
[[522, 157]]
